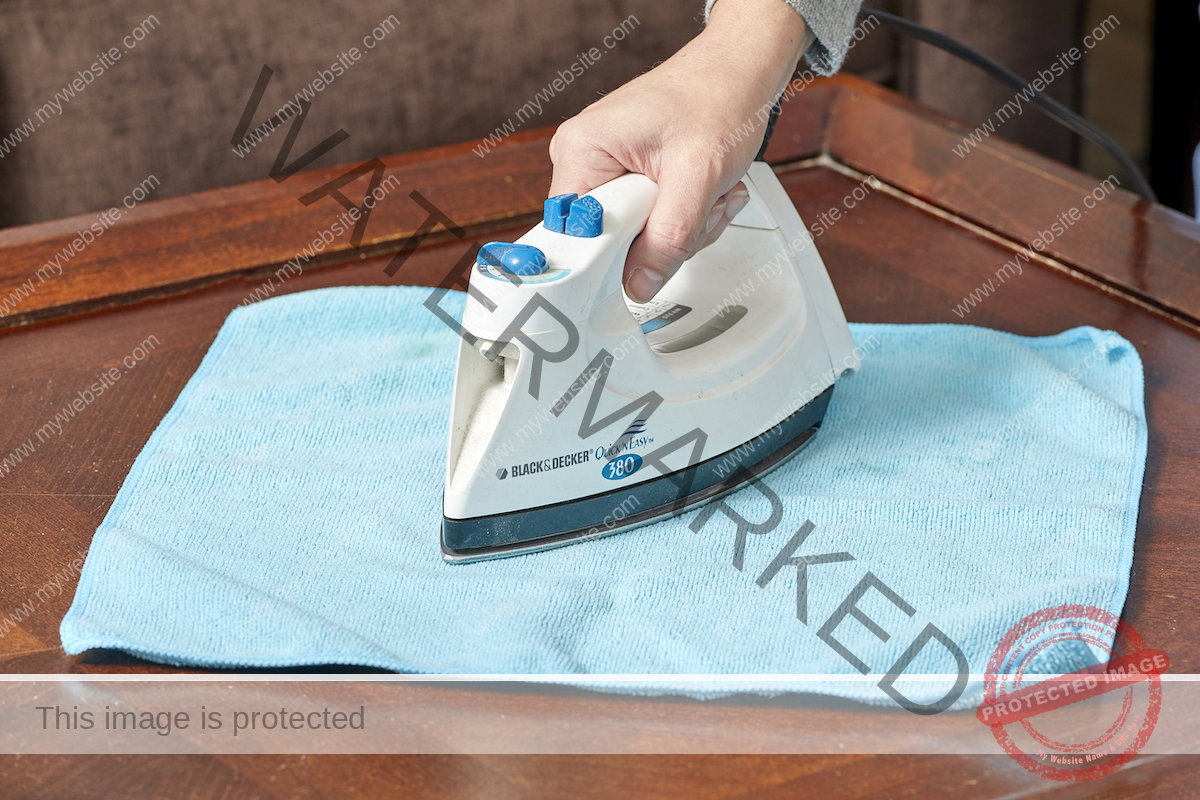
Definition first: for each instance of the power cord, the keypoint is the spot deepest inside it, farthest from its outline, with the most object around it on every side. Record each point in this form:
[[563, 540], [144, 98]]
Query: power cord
[[1051, 107]]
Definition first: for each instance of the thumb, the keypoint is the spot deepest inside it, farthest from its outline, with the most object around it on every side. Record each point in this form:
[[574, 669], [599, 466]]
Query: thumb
[[671, 234]]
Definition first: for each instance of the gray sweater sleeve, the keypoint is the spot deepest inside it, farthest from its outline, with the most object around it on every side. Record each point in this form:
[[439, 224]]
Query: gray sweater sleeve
[[830, 21]]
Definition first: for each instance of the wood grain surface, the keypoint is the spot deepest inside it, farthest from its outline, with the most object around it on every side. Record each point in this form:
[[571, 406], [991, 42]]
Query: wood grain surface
[[554, 777], [909, 253]]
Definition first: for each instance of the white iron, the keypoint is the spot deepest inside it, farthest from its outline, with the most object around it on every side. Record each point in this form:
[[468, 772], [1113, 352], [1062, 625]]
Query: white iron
[[578, 413]]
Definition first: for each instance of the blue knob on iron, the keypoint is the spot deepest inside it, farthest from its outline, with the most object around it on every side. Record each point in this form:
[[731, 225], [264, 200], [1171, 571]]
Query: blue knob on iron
[[555, 211], [515, 259], [574, 215], [586, 218]]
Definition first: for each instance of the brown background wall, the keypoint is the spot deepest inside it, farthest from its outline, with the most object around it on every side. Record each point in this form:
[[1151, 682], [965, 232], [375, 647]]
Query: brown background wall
[[1024, 35], [452, 71]]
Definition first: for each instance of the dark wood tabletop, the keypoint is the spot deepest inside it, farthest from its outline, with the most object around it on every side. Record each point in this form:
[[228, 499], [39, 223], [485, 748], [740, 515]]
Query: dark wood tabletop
[[936, 228]]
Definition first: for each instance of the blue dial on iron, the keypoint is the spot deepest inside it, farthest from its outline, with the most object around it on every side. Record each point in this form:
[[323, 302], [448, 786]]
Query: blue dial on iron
[[515, 259]]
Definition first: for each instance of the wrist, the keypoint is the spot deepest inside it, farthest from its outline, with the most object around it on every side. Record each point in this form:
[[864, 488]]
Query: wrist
[[758, 41]]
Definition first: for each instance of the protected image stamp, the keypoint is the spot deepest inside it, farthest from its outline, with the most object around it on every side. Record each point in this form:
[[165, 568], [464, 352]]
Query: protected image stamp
[[1080, 724]]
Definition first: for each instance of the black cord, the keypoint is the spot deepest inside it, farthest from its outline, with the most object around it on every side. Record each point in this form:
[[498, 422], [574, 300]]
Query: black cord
[[1051, 107]]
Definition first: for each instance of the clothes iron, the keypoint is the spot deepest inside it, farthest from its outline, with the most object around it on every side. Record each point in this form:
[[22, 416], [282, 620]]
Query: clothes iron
[[578, 413]]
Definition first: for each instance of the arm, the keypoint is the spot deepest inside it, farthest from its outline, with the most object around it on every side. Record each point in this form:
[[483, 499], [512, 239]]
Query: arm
[[693, 125]]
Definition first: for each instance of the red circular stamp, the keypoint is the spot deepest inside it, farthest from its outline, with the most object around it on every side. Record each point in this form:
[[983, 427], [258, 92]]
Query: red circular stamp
[[1072, 693]]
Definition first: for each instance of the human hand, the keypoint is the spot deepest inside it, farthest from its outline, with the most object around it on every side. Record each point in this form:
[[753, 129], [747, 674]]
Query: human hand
[[692, 125]]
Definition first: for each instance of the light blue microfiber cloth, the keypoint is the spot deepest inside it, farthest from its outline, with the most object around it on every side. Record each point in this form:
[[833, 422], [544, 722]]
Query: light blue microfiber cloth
[[286, 512]]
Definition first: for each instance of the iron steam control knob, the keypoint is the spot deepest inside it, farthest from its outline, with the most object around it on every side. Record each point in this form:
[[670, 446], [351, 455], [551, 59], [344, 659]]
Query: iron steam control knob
[[515, 259], [574, 215]]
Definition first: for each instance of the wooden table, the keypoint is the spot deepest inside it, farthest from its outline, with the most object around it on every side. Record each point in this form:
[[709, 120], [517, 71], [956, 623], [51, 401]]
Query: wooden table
[[910, 252]]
